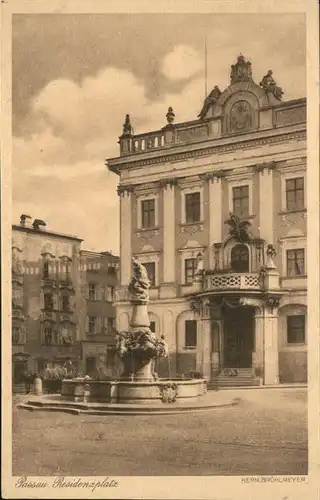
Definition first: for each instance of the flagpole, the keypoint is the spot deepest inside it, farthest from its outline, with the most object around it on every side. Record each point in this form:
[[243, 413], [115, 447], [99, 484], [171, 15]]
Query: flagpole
[[205, 68]]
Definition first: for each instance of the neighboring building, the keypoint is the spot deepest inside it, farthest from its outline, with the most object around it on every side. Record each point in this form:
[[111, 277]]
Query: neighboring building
[[99, 279], [46, 298], [212, 296], [58, 290]]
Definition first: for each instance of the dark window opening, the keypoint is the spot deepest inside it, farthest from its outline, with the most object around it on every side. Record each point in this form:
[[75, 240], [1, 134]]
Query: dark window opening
[[295, 262], [295, 194], [192, 207], [148, 213], [151, 270], [296, 326], [191, 333], [190, 267], [240, 259], [241, 201]]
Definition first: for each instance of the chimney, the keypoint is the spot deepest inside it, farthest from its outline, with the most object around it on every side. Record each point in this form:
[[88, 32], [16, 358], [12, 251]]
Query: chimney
[[25, 220]]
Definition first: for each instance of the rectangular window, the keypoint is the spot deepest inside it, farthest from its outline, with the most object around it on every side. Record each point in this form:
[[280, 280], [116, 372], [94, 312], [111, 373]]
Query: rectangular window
[[192, 207], [48, 335], [92, 324], [46, 270], [296, 326], [110, 325], [110, 293], [65, 303], [147, 214], [15, 335], [295, 262], [240, 197], [190, 267], [92, 291], [48, 301], [191, 333], [151, 270], [295, 194]]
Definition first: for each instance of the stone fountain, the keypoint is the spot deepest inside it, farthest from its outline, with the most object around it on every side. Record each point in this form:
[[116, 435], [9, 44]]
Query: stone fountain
[[138, 390]]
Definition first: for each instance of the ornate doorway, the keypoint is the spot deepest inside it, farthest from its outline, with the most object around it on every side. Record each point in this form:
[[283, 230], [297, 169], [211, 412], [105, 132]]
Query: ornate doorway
[[238, 333]]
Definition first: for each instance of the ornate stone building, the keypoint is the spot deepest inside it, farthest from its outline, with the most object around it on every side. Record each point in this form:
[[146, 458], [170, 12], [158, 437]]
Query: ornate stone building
[[216, 210], [47, 298]]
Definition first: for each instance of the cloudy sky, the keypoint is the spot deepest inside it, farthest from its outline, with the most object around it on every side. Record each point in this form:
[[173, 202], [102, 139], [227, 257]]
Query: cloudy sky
[[76, 76]]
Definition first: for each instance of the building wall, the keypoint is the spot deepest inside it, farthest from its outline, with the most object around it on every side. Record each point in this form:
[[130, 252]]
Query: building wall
[[264, 157]]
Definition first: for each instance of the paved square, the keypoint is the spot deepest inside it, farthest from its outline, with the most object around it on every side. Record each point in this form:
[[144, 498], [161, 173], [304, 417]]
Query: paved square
[[265, 434]]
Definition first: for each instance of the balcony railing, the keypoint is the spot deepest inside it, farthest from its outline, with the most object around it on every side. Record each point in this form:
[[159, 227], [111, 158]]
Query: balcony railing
[[232, 281]]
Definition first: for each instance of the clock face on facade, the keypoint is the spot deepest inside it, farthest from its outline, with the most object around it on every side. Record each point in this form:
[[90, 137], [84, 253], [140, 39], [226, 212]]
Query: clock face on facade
[[240, 116]]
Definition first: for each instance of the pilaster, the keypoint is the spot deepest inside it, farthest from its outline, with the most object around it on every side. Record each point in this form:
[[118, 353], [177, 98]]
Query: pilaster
[[168, 186], [215, 212], [125, 233], [271, 351], [257, 355], [266, 215]]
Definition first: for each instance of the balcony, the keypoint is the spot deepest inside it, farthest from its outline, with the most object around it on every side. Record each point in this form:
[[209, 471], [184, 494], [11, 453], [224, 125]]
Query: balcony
[[67, 316], [232, 282], [48, 315]]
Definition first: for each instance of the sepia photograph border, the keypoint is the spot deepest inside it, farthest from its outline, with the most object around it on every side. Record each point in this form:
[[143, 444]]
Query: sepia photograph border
[[207, 487]]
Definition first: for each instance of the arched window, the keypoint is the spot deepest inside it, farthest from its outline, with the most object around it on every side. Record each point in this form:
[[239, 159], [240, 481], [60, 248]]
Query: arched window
[[240, 259]]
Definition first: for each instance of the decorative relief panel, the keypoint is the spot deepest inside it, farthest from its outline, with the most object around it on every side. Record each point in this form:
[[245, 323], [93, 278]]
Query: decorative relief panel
[[290, 116], [192, 228], [240, 117], [192, 134], [147, 234]]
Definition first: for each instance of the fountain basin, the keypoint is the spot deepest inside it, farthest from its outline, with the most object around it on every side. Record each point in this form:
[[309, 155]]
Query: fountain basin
[[133, 392]]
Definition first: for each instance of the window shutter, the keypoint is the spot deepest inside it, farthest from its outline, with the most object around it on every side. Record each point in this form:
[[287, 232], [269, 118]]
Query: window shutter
[[87, 324], [86, 291], [99, 292]]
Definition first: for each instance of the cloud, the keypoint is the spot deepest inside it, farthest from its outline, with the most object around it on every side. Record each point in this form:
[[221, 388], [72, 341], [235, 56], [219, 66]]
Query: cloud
[[182, 63], [58, 168]]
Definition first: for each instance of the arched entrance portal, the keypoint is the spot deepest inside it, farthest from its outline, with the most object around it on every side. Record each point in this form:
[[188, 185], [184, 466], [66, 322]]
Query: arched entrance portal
[[238, 333]]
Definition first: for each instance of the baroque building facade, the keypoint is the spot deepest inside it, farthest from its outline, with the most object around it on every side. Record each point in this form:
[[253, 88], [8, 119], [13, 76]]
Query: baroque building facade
[[51, 303], [215, 209]]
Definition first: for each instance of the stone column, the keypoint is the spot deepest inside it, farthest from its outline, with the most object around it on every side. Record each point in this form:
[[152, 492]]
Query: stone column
[[271, 352], [204, 357], [266, 200], [168, 231], [215, 215], [125, 234], [257, 355]]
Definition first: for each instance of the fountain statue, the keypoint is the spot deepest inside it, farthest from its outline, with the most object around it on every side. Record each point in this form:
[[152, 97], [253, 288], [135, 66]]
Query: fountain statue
[[138, 347]]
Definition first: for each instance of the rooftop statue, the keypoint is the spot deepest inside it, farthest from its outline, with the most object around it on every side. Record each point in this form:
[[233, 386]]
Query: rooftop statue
[[241, 71], [270, 86], [210, 99]]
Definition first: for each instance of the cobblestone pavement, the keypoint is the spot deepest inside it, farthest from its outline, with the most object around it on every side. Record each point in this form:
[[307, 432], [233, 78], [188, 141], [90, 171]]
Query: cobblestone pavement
[[265, 434]]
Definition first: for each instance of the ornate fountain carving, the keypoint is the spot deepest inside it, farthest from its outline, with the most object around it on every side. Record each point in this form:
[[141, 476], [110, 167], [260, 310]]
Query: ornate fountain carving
[[139, 347]]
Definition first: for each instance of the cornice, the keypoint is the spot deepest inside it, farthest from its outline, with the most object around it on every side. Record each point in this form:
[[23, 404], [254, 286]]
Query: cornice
[[165, 156]]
